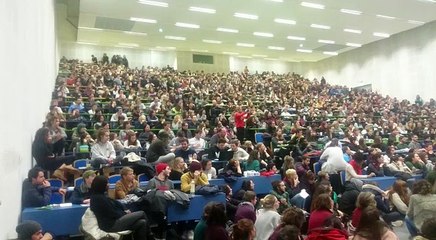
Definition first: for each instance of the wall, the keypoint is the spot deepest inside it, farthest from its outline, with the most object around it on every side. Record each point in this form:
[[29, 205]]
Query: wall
[[400, 66], [220, 63], [261, 65], [28, 66]]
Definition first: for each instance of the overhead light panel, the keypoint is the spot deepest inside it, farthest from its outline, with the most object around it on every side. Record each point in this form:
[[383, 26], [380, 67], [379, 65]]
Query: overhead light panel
[[246, 16], [285, 21], [153, 3], [92, 29], [202, 10], [352, 30], [230, 30], [330, 53], [244, 57], [230, 53], [350, 11], [259, 55], [296, 38], [187, 25], [87, 43], [175, 38], [320, 26], [276, 48], [271, 59], [276, 0], [212, 41], [385, 16], [415, 22], [312, 5], [353, 44], [379, 34], [304, 50], [165, 48], [129, 44], [263, 34], [245, 44], [326, 41], [199, 50], [144, 20], [135, 33]]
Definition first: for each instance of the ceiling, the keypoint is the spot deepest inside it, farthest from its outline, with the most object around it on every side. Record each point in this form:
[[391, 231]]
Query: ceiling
[[108, 22]]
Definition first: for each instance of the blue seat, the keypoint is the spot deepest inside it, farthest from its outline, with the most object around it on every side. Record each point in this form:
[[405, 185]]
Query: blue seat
[[78, 181], [81, 163], [56, 198], [316, 167], [56, 182], [142, 177], [114, 178], [258, 137]]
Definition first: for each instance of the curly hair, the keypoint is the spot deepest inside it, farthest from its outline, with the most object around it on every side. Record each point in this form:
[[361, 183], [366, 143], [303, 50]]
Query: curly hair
[[293, 216], [422, 187]]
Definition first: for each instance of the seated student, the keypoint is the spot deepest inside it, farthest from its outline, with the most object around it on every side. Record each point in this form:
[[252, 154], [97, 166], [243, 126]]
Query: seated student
[[263, 155], [238, 153], [197, 143], [416, 164], [371, 227], [161, 181], [421, 206], [184, 151], [247, 185], [200, 228], [332, 228], [397, 165], [364, 200], [231, 203], [175, 142], [132, 144], [271, 169], [376, 165], [31, 230], [247, 208], [159, 151], [354, 168], [111, 215], [428, 230], [233, 167], [216, 223], [290, 217], [103, 152], [303, 166], [194, 174], [82, 193], [399, 197], [267, 217], [178, 168], [208, 169], [252, 164], [279, 191], [292, 183], [36, 191], [219, 151], [244, 230], [347, 202], [127, 184], [322, 209]]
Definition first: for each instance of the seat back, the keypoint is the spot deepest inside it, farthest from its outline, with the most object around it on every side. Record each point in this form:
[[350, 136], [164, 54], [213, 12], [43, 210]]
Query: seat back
[[78, 181], [114, 178], [142, 177], [54, 182], [81, 163], [57, 198], [316, 167], [258, 137]]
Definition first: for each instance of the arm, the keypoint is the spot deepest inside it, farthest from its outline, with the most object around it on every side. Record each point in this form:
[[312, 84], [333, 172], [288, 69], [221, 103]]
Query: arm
[[399, 204], [410, 212], [185, 183], [119, 191], [37, 198], [113, 154], [350, 170], [150, 185], [77, 196], [202, 180], [244, 155]]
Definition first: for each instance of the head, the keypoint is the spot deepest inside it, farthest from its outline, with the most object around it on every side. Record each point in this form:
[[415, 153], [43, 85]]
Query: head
[[163, 170], [178, 164], [365, 199], [243, 230], [322, 202], [293, 216], [305, 160], [184, 143], [217, 214], [279, 186], [422, 187], [88, 176], [206, 164], [221, 144], [234, 144], [194, 166], [289, 232], [291, 174], [163, 136], [103, 136], [288, 161], [323, 176], [269, 202], [42, 135], [250, 196], [127, 174], [99, 185], [247, 185], [29, 230], [359, 158], [36, 176], [428, 229]]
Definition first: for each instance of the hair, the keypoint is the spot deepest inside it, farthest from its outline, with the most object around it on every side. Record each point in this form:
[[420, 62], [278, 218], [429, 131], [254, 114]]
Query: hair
[[270, 166], [322, 176], [101, 133], [422, 187], [395, 158], [322, 201], [246, 185], [268, 201], [289, 232], [428, 229], [253, 156], [183, 140], [34, 172], [290, 172], [288, 162], [358, 157], [234, 141], [293, 216], [221, 140], [276, 185], [174, 164], [41, 134], [400, 187], [249, 196], [99, 185], [323, 187], [207, 209], [370, 225], [125, 170], [217, 214], [333, 222], [112, 136], [242, 229], [365, 199], [334, 143]]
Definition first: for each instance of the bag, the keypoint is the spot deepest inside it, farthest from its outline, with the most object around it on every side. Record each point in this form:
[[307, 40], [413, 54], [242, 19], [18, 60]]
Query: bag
[[207, 190], [403, 176], [132, 157], [139, 192]]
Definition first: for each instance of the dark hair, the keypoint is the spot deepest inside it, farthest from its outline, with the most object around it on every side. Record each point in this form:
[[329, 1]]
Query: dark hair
[[99, 185], [246, 185], [293, 216], [204, 163], [217, 215], [222, 140], [333, 222], [322, 201], [41, 134], [249, 196], [422, 187], [358, 157], [370, 225], [276, 185], [428, 229], [289, 232], [34, 172], [183, 140], [242, 229], [207, 209]]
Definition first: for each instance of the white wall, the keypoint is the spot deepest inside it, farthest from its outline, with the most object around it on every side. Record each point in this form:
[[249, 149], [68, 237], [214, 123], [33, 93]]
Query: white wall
[[261, 65], [400, 66], [185, 62], [28, 71]]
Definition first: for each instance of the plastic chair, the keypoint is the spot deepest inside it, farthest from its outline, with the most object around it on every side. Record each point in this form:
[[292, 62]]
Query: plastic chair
[[78, 181], [316, 167], [56, 182], [142, 177], [258, 137], [57, 198], [81, 163], [114, 178]]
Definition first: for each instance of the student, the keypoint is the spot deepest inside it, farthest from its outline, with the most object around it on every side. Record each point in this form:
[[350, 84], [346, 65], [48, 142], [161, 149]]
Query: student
[[82, 192], [247, 208], [31, 230], [267, 217], [195, 174]]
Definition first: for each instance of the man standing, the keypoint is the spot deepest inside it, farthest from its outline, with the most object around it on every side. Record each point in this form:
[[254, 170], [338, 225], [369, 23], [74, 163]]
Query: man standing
[[240, 117], [37, 190]]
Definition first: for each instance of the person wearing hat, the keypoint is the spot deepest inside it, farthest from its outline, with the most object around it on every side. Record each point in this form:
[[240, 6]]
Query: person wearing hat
[[159, 151], [161, 181], [81, 193], [195, 174], [31, 230]]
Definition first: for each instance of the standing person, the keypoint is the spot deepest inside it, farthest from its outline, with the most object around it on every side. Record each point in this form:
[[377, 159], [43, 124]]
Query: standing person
[[421, 206], [267, 217], [57, 134], [159, 151], [372, 228], [31, 230], [240, 117], [333, 158]]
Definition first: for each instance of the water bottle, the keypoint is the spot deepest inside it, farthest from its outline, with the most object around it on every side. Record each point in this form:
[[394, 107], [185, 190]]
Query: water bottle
[[192, 191]]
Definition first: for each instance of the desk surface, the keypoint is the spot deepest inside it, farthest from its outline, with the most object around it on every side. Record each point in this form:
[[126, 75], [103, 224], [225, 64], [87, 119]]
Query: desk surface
[[386, 182], [176, 213]]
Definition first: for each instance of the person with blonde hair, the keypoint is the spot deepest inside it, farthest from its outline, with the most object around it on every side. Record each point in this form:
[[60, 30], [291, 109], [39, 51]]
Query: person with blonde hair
[[364, 200], [292, 182], [267, 217], [126, 184]]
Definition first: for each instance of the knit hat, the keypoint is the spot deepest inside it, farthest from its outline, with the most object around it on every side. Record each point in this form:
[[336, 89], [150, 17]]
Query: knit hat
[[88, 174], [194, 166], [160, 167], [26, 229]]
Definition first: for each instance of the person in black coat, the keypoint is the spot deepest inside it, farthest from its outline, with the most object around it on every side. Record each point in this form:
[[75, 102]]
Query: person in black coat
[[347, 203]]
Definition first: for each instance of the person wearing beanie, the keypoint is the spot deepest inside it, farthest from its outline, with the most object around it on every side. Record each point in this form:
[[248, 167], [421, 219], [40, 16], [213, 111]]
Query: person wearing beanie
[[195, 174], [161, 181], [31, 230], [82, 194]]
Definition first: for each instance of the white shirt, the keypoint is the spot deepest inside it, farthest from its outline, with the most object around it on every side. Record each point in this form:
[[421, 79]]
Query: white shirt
[[266, 222], [334, 160], [197, 143], [103, 151]]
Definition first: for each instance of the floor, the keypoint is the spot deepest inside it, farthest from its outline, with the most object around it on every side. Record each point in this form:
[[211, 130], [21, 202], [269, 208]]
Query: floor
[[402, 232]]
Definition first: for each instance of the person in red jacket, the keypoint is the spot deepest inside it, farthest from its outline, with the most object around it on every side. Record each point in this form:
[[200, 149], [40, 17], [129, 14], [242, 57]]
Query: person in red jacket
[[332, 229], [240, 117]]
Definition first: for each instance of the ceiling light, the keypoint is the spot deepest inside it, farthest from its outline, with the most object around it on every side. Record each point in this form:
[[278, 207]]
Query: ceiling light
[[87, 43], [153, 3], [379, 34], [296, 38], [175, 38], [326, 41], [199, 50], [203, 10], [304, 50], [230, 53], [121, 46], [276, 0], [245, 44], [301, 45], [212, 41], [352, 30], [271, 59], [145, 20], [384, 16], [187, 25], [244, 57], [128, 44], [312, 5], [415, 22], [353, 44], [349, 11], [166, 48], [246, 16], [331, 53], [263, 34], [230, 30], [135, 33], [276, 48], [258, 55], [320, 26], [89, 28], [285, 21]]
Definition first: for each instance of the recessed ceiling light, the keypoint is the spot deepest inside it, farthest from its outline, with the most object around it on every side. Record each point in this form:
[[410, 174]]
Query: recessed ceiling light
[[87, 43], [276, 0], [285, 21], [187, 25], [263, 34], [352, 30], [199, 50], [259, 55], [244, 57], [153, 3], [353, 44], [230, 30], [271, 59], [245, 44], [331, 53], [135, 33], [246, 16], [304, 50], [212, 41], [121, 46], [276, 48], [326, 41], [415, 22], [320, 26], [160, 30], [92, 29], [384, 16], [350, 11], [203, 10], [230, 53], [175, 38], [145, 20], [296, 38], [312, 5], [129, 44], [166, 48], [301, 45], [379, 34]]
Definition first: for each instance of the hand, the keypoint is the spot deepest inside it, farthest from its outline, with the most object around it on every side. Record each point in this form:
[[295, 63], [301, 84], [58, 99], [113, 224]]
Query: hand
[[46, 184], [197, 174], [127, 211], [371, 175], [87, 201], [47, 236], [283, 201], [62, 191]]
